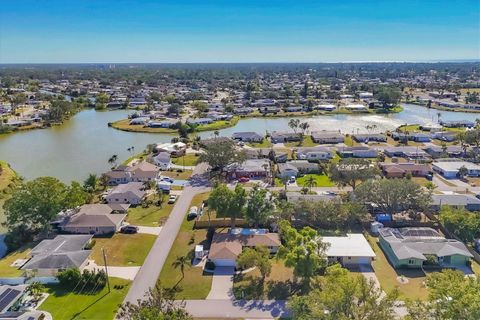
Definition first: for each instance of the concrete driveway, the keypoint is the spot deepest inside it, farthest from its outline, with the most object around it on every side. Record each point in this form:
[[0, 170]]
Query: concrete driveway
[[128, 273], [222, 284], [149, 230]]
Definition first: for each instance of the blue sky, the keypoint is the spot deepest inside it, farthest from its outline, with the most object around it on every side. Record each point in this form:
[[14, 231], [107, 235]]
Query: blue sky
[[237, 31]]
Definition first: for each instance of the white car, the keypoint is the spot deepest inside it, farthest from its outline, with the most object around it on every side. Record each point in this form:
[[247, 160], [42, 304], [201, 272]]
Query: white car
[[172, 199]]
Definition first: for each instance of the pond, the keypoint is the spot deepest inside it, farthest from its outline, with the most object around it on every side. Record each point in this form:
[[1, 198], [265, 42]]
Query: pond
[[84, 144]]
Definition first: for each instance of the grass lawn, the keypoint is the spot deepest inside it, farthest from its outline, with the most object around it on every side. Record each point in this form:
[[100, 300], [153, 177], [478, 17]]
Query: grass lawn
[[195, 284], [123, 249], [63, 304], [278, 285], [187, 160], [152, 216], [184, 175], [476, 268], [322, 180], [307, 142], [387, 275], [349, 141], [5, 262], [125, 126], [217, 125], [264, 144]]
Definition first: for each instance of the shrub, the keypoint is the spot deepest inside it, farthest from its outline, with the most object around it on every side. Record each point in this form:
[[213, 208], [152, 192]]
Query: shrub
[[210, 265]]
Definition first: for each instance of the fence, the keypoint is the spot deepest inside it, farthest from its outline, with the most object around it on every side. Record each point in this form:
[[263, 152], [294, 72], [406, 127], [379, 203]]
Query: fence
[[25, 280], [218, 223]]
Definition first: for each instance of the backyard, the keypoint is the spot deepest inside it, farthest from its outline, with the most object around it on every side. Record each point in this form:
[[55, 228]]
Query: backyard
[[63, 304], [5, 263], [195, 284], [321, 180], [123, 249]]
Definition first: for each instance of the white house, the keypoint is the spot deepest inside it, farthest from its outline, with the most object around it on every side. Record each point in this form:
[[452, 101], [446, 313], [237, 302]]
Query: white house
[[351, 250], [449, 169], [162, 160]]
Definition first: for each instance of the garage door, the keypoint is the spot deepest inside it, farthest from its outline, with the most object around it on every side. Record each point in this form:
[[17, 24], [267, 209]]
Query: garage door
[[363, 260], [224, 262]]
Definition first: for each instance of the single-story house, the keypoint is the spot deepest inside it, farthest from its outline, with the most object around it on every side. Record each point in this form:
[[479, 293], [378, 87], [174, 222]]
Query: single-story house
[[323, 196], [411, 247], [447, 136], [176, 149], [294, 109], [458, 124], [466, 201], [58, 254], [449, 169], [327, 137], [141, 171], [357, 152], [282, 136], [314, 154], [93, 219], [325, 107], [350, 250], [163, 160], [356, 107], [400, 170], [251, 168], [199, 121], [439, 152], [139, 121], [131, 193], [304, 166], [226, 247], [369, 137], [249, 136], [243, 111], [286, 170], [406, 152]]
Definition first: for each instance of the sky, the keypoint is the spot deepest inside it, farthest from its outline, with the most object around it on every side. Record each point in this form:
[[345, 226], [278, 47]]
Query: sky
[[115, 31]]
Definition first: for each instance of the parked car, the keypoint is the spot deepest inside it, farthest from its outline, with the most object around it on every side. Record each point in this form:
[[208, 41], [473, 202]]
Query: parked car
[[429, 177], [243, 179], [129, 229], [292, 179], [172, 199], [192, 213], [167, 179]]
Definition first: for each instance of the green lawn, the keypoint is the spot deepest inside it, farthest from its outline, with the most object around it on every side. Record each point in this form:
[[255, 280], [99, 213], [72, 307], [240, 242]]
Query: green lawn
[[5, 262], [184, 175], [217, 125], [195, 284], [387, 275], [264, 144], [322, 180], [123, 249], [124, 125], [63, 304], [187, 160], [349, 141], [307, 142], [152, 216]]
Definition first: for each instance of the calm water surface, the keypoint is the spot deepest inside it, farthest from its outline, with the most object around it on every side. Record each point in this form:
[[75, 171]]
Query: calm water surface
[[84, 144]]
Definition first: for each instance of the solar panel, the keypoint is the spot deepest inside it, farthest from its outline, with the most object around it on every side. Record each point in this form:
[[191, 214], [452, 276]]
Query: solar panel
[[8, 297]]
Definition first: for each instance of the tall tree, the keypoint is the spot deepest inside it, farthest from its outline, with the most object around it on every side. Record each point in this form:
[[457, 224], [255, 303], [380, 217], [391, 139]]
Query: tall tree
[[258, 257], [394, 195], [351, 171], [227, 202], [344, 295], [159, 304], [220, 154], [259, 206], [302, 250]]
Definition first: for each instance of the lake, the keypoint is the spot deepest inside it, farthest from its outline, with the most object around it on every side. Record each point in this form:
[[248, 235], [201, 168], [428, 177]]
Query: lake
[[84, 144]]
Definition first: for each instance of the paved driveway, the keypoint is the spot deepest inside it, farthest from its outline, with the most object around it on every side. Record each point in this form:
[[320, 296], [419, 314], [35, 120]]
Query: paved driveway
[[222, 283], [127, 273], [149, 230], [225, 309]]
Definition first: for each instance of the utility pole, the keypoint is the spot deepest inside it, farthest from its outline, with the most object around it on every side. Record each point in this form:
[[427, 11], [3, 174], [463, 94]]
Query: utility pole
[[106, 270]]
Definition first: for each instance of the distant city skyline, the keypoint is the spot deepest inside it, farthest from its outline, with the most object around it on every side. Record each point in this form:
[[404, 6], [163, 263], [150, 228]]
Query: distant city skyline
[[108, 31]]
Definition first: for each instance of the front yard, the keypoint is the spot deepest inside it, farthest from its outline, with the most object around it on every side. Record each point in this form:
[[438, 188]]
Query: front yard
[[183, 175], [188, 160], [63, 304], [123, 249], [307, 142], [195, 284], [414, 287], [152, 216], [322, 180], [279, 285]]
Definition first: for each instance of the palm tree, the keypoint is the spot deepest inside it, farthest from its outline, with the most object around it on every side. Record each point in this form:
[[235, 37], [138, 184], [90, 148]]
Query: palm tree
[[216, 133], [181, 262], [294, 123], [310, 182], [90, 184]]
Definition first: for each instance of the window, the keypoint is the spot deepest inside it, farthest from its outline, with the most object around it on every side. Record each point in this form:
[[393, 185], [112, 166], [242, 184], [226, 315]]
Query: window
[[349, 258], [410, 261]]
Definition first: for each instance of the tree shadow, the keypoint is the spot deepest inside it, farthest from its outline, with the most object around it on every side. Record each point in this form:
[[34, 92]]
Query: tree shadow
[[90, 305]]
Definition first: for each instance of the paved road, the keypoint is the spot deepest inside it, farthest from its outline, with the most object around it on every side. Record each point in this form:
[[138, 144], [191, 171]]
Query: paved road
[[153, 264], [224, 309]]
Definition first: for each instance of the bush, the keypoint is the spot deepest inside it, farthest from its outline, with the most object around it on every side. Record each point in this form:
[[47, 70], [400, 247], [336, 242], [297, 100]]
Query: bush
[[90, 245], [81, 282]]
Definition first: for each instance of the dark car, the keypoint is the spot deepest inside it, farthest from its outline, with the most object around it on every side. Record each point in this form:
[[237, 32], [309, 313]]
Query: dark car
[[129, 229]]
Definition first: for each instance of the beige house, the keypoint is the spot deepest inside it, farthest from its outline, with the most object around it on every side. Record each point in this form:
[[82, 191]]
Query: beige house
[[94, 219]]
